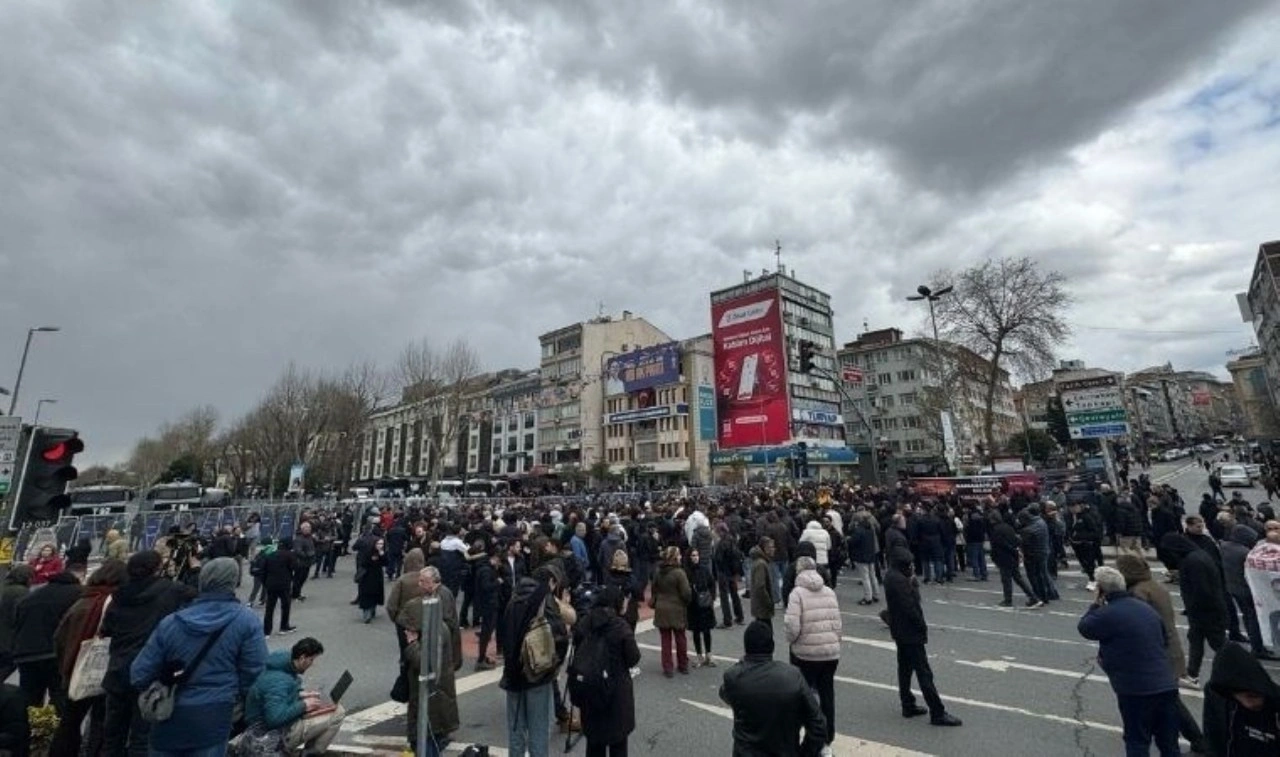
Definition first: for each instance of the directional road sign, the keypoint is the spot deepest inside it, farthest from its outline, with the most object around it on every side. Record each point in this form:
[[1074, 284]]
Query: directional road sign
[[1094, 407], [10, 433]]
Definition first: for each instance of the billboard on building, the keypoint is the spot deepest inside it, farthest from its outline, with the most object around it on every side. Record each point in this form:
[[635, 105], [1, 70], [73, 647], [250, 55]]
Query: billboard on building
[[706, 413], [751, 371], [642, 369]]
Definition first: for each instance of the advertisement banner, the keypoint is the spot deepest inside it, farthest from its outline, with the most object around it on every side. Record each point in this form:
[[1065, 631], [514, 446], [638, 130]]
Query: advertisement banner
[[1262, 572], [976, 487], [296, 477], [642, 369], [648, 413], [706, 413], [751, 371]]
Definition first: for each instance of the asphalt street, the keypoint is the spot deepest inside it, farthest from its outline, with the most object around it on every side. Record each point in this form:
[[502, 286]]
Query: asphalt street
[[1022, 680]]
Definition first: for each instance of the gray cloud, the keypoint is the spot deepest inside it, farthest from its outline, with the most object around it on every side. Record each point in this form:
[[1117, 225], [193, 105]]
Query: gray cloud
[[200, 193]]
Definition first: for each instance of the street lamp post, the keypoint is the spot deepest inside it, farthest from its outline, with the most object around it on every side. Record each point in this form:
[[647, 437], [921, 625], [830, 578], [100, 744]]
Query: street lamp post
[[931, 296], [40, 406], [22, 365]]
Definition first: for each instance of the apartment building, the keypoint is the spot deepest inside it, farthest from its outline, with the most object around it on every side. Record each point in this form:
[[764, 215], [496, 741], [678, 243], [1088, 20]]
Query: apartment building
[[1253, 392], [1197, 404], [513, 437], [1263, 299], [907, 386], [571, 397]]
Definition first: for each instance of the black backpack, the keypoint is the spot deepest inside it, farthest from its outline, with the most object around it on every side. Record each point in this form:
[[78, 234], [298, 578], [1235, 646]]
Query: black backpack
[[592, 676]]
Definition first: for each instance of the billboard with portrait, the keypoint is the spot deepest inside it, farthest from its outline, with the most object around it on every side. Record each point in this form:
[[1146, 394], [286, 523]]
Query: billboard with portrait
[[642, 369], [751, 371]]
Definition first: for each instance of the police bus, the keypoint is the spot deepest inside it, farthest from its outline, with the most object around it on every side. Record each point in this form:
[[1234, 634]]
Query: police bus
[[102, 500], [175, 496]]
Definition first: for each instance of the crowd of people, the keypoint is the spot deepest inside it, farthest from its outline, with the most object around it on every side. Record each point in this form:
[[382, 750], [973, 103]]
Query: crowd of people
[[559, 588]]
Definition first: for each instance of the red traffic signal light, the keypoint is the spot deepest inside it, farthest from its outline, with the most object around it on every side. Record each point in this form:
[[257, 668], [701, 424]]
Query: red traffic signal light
[[62, 451], [41, 493]]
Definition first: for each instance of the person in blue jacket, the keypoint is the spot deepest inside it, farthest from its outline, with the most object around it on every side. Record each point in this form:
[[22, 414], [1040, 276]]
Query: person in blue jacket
[[1131, 650], [201, 722], [277, 701]]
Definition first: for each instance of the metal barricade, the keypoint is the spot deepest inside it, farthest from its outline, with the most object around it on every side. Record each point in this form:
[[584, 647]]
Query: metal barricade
[[95, 528]]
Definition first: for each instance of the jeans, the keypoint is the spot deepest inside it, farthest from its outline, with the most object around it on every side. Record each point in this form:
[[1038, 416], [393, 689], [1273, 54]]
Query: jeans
[[394, 561], [331, 561], [935, 570], [300, 577], [256, 593], [1009, 576], [127, 733], [949, 557], [1153, 716], [681, 643], [702, 642], [1038, 577], [275, 596], [729, 599], [821, 677], [977, 560], [912, 659], [867, 575], [779, 570], [1087, 553], [488, 618], [529, 721], [1197, 635]]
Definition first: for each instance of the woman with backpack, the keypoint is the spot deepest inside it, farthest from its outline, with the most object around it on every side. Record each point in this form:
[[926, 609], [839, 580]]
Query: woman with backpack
[[599, 679], [671, 597], [702, 611]]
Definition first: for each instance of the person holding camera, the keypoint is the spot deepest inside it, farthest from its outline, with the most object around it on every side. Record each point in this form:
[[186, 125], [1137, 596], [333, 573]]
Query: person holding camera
[[1131, 650]]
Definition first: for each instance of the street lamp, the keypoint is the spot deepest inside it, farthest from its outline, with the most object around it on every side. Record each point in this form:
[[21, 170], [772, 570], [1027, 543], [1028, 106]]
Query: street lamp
[[22, 366], [39, 406], [929, 295]]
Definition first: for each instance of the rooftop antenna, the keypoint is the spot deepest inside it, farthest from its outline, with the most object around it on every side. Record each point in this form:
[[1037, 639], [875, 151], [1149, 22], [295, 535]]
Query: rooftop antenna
[[865, 326], [777, 255], [600, 309]]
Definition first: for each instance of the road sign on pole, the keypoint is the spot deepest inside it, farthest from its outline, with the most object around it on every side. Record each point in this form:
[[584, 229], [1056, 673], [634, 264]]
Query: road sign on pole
[[1094, 407], [10, 434]]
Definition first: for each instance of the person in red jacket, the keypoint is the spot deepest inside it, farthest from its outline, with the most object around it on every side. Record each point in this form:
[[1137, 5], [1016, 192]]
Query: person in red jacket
[[45, 565]]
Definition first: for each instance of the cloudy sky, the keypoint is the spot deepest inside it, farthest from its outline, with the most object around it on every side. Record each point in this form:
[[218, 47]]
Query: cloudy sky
[[199, 192]]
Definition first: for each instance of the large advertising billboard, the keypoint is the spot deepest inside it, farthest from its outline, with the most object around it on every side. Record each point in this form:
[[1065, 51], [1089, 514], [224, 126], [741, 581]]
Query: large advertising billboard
[[751, 371], [642, 369]]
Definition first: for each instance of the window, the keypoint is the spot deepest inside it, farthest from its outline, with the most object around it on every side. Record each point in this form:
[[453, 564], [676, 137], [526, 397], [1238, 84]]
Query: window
[[548, 349], [907, 375], [875, 423], [528, 442], [915, 445], [907, 399], [513, 423], [511, 444], [891, 424], [511, 465], [528, 420], [911, 421], [886, 401], [884, 379]]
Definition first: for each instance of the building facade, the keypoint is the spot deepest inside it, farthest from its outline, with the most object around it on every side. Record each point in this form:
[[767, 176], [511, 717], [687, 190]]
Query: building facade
[[1197, 406], [1253, 392], [1263, 300], [513, 438], [571, 402], [906, 387]]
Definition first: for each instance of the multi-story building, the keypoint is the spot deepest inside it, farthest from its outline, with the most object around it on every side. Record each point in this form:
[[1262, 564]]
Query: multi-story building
[[907, 386], [1253, 392], [571, 400], [1197, 405], [513, 437], [764, 402], [1263, 300], [1032, 401], [659, 417]]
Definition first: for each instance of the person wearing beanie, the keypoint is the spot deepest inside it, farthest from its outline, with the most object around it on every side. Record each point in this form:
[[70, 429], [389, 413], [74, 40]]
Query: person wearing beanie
[[771, 701], [910, 633], [204, 708]]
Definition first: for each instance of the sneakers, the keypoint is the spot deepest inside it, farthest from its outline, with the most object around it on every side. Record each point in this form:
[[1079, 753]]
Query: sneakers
[[826, 751], [1190, 682], [288, 630], [482, 665], [1006, 603], [1035, 604], [947, 719], [707, 662], [1091, 586]]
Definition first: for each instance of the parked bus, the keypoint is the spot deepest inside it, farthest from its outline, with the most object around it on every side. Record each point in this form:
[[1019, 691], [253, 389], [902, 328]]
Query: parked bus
[[483, 487], [101, 500], [179, 495]]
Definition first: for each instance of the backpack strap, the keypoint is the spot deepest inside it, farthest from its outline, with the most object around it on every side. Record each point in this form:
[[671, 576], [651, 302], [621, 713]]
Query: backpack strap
[[190, 669]]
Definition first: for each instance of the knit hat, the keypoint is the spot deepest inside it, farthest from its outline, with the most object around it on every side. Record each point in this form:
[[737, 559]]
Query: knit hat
[[758, 638], [218, 575]]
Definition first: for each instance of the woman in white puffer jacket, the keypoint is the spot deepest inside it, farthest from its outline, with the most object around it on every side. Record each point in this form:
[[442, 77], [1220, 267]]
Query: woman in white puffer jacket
[[813, 629], [816, 535]]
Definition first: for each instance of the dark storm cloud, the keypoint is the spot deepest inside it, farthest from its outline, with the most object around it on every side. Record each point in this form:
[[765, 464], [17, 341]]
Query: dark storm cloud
[[200, 192]]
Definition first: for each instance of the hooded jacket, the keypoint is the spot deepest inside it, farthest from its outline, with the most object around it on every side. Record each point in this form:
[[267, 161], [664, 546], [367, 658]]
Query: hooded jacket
[[1230, 729], [612, 721], [1131, 649], [275, 699], [406, 586], [1004, 544], [203, 709], [816, 535], [902, 599], [762, 587], [135, 611], [771, 702], [1199, 579], [1234, 551], [813, 619], [1137, 577], [38, 615]]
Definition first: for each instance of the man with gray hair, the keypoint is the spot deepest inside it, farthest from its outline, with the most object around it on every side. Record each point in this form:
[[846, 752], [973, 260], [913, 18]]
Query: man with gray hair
[[1131, 650]]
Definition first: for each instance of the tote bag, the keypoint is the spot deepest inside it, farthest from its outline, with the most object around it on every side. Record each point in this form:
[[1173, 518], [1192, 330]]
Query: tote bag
[[91, 663]]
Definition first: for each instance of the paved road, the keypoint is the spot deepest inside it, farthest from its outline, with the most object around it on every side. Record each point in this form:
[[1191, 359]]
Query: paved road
[[1022, 680]]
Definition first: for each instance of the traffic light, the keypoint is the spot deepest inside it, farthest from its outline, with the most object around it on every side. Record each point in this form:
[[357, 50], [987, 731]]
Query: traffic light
[[807, 348], [802, 460], [42, 495]]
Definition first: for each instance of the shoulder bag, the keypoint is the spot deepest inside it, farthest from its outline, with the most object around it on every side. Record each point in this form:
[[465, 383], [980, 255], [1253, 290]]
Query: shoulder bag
[[156, 702], [91, 663]]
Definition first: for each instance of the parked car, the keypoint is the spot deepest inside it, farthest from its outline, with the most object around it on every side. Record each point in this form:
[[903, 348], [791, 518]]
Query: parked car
[[1234, 475], [1254, 470], [1205, 448]]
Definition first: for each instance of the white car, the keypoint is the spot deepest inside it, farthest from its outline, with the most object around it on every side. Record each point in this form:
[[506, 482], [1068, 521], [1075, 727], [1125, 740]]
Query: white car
[[1234, 475], [1254, 470], [1204, 448]]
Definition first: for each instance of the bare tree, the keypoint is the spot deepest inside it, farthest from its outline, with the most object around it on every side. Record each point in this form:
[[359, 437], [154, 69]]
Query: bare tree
[[149, 459], [1009, 312], [459, 365], [417, 371], [351, 397]]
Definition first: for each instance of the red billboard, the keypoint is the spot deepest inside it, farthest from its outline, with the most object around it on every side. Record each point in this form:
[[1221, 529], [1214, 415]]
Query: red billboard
[[751, 371]]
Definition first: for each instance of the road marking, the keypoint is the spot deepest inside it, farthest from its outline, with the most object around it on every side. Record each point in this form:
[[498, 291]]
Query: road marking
[[1004, 666], [1008, 610], [877, 643], [984, 632], [843, 745]]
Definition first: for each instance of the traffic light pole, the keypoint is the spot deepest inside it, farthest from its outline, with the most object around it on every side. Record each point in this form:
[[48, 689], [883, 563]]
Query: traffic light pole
[[871, 437]]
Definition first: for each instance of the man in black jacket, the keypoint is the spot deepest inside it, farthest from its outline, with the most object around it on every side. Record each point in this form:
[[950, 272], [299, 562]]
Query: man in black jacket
[[1203, 596], [911, 634], [277, 583], [1241, 707], [35, 619], [136, 609], [1128, 525], [771, 701], [1085, 535], [1005, 546], [529, 701]]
